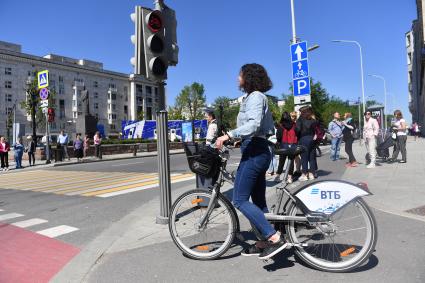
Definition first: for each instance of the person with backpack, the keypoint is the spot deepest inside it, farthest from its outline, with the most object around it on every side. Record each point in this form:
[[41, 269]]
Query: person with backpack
[[335, 129], [287, 138], [347, 132]]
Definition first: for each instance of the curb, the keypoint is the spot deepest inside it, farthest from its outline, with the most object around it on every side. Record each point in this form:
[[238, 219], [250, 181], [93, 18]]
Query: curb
[[154, 153]]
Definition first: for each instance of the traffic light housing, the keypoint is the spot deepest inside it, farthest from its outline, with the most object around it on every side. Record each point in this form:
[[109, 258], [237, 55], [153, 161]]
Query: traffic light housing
[[155, 41], [50, 115]]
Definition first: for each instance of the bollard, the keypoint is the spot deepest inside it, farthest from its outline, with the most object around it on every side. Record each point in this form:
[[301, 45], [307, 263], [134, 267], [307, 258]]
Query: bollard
[[135, 150]]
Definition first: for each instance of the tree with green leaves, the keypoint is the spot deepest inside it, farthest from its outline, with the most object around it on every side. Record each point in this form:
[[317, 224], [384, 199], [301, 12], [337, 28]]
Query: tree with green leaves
[[191, 101], [175, 113], [230, 112]]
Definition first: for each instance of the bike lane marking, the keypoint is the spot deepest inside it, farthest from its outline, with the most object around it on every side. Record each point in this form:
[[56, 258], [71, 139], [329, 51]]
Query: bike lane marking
[[26, 256]]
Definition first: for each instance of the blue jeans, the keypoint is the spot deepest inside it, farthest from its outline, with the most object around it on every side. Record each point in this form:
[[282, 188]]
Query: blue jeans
[[251, 182], [18, 160], [309, 156], [336, 144]]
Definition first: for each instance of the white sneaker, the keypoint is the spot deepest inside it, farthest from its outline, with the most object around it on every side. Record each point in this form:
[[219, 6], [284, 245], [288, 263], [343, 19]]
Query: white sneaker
[[303, 178], [370, 166], [289, 180], [311, 176]]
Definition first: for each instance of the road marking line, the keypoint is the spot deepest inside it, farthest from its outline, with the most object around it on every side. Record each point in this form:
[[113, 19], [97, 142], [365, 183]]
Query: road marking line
[[29, 222], [80, 191], [83, 181], [125, 164], [27, 184], [141, 188], [84, 186], [10, 216], [121, 188], [57, 231]]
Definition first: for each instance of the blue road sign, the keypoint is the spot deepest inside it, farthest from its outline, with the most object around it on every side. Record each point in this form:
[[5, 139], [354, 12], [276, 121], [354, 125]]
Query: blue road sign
[[43, 79], [300, 69], [299, 51], [302, 86]]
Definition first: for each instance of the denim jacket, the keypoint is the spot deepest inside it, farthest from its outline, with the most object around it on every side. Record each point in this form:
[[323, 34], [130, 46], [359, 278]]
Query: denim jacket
[[335, 128], [254, 118]]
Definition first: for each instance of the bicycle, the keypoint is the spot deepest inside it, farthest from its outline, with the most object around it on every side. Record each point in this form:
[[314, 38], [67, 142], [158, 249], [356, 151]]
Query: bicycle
[[327, 222]]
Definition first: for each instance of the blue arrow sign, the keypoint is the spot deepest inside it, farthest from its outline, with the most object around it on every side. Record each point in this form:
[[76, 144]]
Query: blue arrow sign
[[299, 51], [300, 69], [302, 86]]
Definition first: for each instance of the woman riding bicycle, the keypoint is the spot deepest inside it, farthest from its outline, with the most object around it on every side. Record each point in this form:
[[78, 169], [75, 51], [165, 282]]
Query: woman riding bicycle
[[254, 124]]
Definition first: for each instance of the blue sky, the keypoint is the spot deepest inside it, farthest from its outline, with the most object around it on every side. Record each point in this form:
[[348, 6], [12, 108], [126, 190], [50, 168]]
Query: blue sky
[[217, 37]]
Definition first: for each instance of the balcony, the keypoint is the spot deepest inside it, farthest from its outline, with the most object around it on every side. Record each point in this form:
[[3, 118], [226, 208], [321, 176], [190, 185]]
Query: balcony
[[78, 85], [112, 90]]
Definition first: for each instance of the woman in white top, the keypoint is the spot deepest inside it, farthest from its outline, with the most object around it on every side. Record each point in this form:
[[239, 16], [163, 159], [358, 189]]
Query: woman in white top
[[399, 125]]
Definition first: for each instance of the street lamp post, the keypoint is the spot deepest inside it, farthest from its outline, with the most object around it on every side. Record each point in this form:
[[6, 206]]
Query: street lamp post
[[361, 69], [294, 34], [385, 97]]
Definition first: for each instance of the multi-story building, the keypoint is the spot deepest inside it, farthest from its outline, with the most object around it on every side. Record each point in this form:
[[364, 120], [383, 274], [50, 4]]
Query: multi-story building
[[415, 47], [113, 96]]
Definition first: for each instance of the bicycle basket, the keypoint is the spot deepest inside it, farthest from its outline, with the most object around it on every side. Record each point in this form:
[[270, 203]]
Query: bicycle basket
[[203, 160]]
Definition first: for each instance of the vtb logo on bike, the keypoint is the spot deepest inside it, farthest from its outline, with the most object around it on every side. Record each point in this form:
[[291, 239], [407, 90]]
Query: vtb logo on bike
[[326, 194]]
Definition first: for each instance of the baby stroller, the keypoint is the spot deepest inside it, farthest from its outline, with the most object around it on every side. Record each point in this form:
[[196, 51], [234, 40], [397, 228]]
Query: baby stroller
[[384, 141]]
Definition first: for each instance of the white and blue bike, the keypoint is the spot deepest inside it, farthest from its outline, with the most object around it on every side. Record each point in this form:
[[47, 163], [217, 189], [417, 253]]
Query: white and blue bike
[[327, 222]]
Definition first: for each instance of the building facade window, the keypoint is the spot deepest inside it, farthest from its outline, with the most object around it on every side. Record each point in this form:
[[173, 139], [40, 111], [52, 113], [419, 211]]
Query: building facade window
[[8, 97], [96, 106], [112, 85], [61, 79], [148, 89], [7, 84], [61, 109], [96, 95], [7, 71], [112, 96], [95, 84]]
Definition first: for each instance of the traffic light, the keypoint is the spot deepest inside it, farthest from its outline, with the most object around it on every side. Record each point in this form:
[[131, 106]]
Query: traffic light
[[50, 115], [150, 58]]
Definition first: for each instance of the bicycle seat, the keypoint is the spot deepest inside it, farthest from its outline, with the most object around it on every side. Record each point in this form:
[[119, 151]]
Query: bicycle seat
[[291, 152]]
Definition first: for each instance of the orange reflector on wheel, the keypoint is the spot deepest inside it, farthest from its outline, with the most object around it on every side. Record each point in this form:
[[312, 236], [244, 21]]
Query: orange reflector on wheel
[[197, 200], [348, 251], [202, 248]]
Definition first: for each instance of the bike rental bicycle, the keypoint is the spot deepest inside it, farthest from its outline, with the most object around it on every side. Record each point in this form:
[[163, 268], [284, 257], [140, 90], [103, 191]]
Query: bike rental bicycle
[[326, 222]]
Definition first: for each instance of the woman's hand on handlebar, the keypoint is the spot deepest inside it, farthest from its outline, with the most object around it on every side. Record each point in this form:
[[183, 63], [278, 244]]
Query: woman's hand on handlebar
[[220, 141]]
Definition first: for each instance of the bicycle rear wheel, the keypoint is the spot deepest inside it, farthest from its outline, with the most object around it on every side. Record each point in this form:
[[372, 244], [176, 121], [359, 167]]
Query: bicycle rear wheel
[[210, 241], [339, 245]]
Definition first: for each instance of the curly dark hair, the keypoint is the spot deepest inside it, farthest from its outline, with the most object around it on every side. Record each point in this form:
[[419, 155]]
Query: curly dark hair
[[255, 78]]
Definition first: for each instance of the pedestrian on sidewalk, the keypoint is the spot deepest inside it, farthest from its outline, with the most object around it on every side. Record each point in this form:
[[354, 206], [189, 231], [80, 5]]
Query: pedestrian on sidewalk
[[348, 131], [97, 139], [305, 129], [370, 132], [212, 127], [335, 129], [18, 148], [31, 147], [400, 127], [86, 145], [287, 138], [254, 124], [4, 154], [272, 145], [78, 147], [63, 141], [416, 130]]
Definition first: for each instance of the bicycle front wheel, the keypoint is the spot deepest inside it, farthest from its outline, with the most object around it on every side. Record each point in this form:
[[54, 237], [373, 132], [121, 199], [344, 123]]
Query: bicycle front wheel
[[339, 245], [212, 239]]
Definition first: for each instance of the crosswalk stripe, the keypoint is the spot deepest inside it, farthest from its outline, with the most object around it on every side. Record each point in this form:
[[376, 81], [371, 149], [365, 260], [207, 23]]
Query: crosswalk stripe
[[121, 188], [10, 216], [94, 181], [57, 231], [79, 191], [29, 222], [28, 184], [89, 184], [141, 188], [1, 210], [41, 175]]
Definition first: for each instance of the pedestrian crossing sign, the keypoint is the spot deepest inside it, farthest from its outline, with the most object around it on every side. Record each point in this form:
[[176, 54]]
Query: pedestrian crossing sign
[[43, 79]]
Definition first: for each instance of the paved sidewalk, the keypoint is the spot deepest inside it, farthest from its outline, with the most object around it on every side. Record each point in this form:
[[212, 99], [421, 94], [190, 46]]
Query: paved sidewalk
[[397, 187], [41, 164]]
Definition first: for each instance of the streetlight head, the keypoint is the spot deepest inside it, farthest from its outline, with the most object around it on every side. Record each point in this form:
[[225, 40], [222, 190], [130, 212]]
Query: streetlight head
[[336, 40], [311, 48]]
